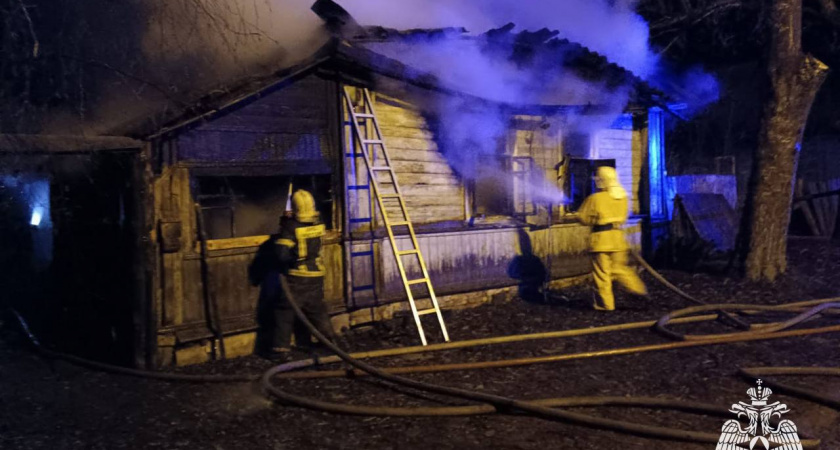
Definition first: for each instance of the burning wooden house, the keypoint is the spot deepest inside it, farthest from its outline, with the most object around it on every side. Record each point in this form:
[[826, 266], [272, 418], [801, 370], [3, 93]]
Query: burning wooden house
[[493, 211]]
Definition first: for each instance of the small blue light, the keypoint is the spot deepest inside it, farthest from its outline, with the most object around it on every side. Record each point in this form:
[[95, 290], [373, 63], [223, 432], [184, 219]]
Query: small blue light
[[37, 213]]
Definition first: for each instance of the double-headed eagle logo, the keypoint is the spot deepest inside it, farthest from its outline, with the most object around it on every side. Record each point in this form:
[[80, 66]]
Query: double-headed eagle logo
[[759, 434]]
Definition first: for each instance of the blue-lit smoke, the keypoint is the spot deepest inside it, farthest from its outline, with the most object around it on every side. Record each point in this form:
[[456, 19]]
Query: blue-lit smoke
[[471, 133], [609, 27]]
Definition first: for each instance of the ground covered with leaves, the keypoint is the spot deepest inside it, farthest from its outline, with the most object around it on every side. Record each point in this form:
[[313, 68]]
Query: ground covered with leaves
[[54, 405]]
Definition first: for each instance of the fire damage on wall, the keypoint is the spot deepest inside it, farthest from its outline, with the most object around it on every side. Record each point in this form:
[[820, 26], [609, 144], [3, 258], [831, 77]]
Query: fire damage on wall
[[493, 169]]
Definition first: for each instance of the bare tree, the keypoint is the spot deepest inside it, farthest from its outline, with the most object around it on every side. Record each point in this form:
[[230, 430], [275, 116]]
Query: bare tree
[[64, 60], [793, 80]]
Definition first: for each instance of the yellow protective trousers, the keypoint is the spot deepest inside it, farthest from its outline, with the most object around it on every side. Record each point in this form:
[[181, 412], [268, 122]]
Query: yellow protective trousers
[[612, 266]]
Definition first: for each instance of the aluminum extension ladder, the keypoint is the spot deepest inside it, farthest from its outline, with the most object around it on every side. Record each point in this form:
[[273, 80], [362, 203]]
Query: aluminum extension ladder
[[372, 142]]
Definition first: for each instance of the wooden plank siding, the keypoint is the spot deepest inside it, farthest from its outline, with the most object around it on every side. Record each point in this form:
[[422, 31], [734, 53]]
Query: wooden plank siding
[[433, 192], [640, 160], [619, 145], [469, 260], [301, 123], [292, 124], [287, 129], [228, 276]]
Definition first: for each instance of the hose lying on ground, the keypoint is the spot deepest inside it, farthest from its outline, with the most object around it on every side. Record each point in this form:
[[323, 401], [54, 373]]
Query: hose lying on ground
[[818, 397], [775, 332], [496, 402], [658, 432], [492, 403], [727, 317], [434, 411], [125, 370], [305, 363], [817, 307], [300, 364]]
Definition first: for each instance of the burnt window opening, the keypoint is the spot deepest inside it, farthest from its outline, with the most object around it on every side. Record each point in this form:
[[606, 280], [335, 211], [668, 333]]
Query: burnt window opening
[[503, 186], [243, 206], [579, 179], [524, 170], [577, 145], [491, 187]]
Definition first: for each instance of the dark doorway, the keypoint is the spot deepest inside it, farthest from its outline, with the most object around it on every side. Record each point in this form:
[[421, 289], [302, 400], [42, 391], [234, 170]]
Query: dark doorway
[[581, 178], [93, 212]]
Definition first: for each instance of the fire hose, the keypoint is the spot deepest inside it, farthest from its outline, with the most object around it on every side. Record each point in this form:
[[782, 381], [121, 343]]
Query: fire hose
[[496, 403], [725, 316], [493, 403], [649, 431]]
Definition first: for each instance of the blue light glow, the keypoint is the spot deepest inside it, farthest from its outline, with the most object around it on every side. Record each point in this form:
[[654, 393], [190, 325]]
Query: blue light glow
[[656, 163], [37, 214]]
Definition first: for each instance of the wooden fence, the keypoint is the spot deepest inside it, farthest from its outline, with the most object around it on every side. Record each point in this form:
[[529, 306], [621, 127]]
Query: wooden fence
[[820, 205]]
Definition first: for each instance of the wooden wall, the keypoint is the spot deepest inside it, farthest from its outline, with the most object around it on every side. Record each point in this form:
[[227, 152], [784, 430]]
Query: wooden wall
[[290, 126], [619, 145], [434, 193], [481, 259], [290, 131], [539, 138], [295, 129], [474, 260]]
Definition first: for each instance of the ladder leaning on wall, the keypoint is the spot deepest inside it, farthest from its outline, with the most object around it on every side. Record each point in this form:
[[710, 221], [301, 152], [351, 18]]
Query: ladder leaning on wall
[[386, 190]]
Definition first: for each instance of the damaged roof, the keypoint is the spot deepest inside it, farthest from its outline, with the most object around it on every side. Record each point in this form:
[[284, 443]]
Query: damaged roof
[[376, 52], [51, 144], [542, 49]]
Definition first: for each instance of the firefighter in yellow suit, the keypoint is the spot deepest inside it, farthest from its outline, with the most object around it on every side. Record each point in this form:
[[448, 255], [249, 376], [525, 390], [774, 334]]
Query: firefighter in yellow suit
[[605, 211], [298, 250]]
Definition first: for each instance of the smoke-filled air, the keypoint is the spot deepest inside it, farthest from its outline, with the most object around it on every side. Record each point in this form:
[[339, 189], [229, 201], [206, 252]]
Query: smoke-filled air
[[186, 48]]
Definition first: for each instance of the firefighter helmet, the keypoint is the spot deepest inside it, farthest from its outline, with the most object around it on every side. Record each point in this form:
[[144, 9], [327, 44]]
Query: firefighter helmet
[[303, 205], [606, 179]]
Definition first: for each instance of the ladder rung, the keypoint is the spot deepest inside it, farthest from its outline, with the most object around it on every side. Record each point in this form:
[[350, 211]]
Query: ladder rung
[[357, 120], [368, 287], [358, 187], [361, 220], [365, 253], [357, 154]]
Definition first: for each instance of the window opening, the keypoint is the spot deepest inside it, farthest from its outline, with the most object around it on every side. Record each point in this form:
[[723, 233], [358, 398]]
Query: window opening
[[241, 206]]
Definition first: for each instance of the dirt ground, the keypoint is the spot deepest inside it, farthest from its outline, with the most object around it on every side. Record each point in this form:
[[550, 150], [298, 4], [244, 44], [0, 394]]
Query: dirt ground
[[55, 405]]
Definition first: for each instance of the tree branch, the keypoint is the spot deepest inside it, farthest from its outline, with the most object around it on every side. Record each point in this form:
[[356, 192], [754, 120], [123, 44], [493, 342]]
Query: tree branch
[[127, 75], [692, 17], [830, 11], [35, 43]]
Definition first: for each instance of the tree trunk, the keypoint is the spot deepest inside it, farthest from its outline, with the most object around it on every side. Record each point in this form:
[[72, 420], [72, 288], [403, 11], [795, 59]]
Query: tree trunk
[[795, 79]]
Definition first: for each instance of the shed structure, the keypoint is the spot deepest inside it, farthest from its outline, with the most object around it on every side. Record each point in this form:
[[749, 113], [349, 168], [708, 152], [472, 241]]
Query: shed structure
[[232, 156]]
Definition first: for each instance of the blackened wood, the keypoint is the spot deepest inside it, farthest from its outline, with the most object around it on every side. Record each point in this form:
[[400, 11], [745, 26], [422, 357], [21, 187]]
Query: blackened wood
[[212, 307]]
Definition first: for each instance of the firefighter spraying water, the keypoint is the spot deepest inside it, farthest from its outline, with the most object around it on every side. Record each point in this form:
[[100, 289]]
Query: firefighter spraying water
[[605, 211]]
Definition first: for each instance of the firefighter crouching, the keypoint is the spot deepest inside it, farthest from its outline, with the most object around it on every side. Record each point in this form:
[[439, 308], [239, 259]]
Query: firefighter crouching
[[605, 211], [298, 251]]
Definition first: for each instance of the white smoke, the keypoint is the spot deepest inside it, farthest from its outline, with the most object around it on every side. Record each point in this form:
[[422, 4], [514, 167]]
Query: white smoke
[[609, 27], [204, 43]]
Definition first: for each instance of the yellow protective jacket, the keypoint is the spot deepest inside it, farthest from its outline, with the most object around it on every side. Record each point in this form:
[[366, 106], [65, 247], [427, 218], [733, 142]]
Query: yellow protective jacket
[[599, 210], [299, 248]]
